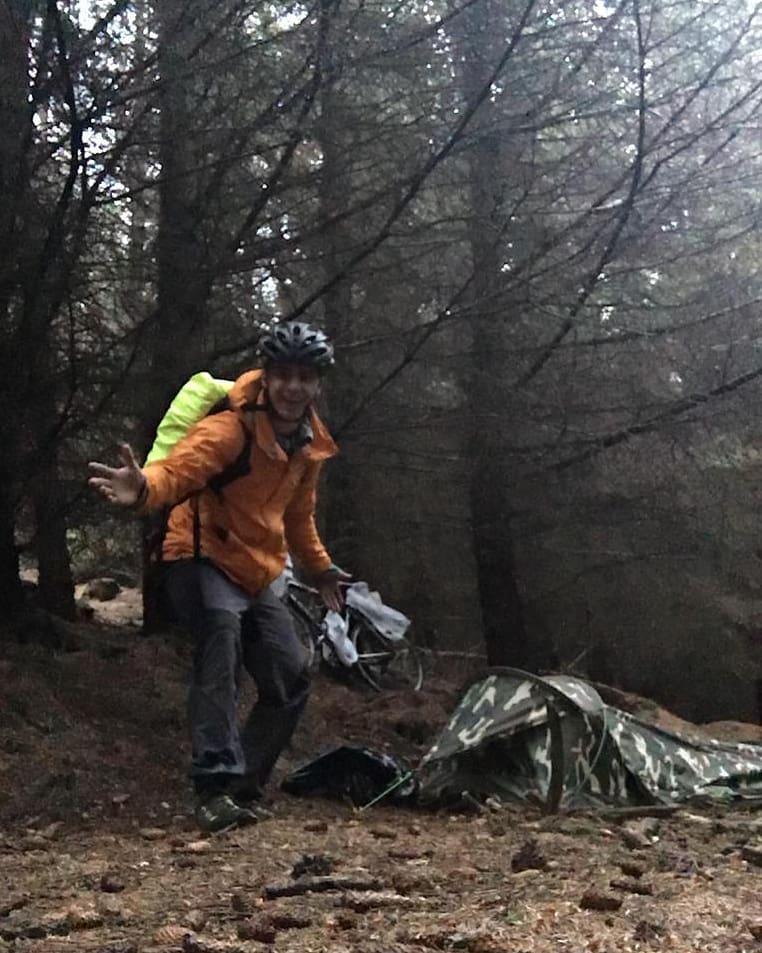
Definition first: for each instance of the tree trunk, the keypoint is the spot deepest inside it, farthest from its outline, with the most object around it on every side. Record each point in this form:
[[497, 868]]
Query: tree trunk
[[502, 613], [182, 264], [56, 584], [182, 261], [342, 512], [11, 590], [15, 121], [505, 634]]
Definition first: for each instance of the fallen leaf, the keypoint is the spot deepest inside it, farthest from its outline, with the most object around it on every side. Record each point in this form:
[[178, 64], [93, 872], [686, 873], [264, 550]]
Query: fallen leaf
[[633, 886], [83, 918], [198, 847], [196, 920], [113, 908], [388, 833], [289, 921], [152, 833], [409, 853], [35, 842], [752, 855], [51, 830]]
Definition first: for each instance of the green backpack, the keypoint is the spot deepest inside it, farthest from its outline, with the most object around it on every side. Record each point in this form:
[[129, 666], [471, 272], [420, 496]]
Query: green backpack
[[200, 396]]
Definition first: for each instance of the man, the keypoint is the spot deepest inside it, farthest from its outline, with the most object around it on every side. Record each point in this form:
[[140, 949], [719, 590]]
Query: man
[[223, 548]]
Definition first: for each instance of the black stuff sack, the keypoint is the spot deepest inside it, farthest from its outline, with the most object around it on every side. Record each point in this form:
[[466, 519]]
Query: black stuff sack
[[356, 774]]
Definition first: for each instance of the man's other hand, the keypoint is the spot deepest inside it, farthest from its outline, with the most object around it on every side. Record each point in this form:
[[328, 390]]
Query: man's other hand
[[123, 486], [329, 586]]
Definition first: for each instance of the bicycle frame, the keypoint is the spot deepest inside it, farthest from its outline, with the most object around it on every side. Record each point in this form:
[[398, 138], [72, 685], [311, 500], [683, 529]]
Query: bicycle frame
[[377, 655]]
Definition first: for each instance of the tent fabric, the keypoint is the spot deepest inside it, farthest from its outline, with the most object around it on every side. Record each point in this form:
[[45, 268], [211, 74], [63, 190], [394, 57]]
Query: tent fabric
[[552, 739]]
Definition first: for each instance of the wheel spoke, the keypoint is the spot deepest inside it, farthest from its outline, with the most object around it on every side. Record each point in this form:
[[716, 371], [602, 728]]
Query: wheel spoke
[[383, 663]]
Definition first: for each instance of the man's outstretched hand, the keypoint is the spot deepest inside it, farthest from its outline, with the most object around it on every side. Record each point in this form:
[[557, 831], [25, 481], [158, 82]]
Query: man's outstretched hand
[[329, 586], [123, 485]]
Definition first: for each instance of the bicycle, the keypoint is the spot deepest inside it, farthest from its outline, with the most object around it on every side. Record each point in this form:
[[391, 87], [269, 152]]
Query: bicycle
[[355, 644]]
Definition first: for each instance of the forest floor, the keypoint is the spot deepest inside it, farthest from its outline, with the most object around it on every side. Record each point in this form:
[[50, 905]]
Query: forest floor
[[98, 850]]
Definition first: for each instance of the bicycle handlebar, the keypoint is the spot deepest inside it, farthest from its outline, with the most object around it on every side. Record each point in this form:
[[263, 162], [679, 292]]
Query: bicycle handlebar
[[303, 587]]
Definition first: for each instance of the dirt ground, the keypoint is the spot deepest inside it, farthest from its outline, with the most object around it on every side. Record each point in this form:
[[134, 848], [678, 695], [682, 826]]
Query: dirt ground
[[98, 851]]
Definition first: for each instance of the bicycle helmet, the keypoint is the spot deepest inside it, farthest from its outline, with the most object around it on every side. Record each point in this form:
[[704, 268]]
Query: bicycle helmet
[[294, 342]]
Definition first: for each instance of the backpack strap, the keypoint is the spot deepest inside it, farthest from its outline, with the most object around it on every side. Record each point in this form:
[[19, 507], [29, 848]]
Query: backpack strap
[[238, 468], [196, 528], [233, 471]]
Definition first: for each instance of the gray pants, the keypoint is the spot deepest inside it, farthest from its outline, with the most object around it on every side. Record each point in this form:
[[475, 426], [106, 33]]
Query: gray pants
[[233, 629]]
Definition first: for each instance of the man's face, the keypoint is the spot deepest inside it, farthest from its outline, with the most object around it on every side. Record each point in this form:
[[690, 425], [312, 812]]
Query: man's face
[[291, 389]]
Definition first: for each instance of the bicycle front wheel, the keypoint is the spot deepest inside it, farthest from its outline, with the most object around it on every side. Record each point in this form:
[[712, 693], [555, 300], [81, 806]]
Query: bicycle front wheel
[[383, 663]]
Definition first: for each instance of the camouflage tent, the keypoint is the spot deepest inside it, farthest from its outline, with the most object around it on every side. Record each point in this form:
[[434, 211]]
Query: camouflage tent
[[554, 740]]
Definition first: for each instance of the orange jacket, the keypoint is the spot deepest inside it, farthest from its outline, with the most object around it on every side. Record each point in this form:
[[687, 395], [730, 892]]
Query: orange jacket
[[248, 526]]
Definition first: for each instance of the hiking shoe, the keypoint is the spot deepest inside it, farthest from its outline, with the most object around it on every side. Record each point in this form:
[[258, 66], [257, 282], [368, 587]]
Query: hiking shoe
[[259, 811], [250, 795], [245, 789], [221, 813]]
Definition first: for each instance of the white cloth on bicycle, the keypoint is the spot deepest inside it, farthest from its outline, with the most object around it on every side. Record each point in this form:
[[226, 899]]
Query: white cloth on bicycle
[[336, 628], [391, 623]]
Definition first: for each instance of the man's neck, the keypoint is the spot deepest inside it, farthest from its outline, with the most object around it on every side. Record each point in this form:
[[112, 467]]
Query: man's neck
[[284, 428]]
